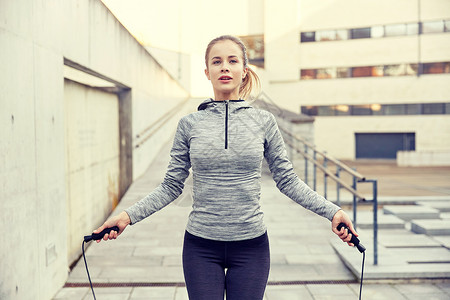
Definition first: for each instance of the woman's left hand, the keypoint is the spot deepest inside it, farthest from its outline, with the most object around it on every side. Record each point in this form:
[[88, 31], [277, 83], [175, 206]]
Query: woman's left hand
[[344, 234]]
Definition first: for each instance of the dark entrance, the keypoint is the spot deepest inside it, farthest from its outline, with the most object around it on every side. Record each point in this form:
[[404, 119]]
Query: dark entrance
[[383, 145]]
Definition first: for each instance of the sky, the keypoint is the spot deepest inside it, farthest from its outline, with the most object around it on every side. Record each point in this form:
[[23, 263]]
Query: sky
[[182, 26]]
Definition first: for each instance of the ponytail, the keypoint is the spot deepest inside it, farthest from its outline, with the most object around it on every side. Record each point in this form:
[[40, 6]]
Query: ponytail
[[250, 83]]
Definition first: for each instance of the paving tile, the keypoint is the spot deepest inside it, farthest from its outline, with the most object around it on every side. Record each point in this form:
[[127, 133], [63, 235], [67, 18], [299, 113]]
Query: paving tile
[[288, 293]]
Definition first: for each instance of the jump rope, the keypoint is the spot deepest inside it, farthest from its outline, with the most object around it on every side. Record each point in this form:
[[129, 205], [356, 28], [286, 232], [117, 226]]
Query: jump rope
[[98, 236]]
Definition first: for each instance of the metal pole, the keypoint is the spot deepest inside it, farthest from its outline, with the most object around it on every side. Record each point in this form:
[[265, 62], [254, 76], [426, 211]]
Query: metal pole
[[375, 222], [338, 186], [354, 201], [306, 165], [325, 177], [315, 170]]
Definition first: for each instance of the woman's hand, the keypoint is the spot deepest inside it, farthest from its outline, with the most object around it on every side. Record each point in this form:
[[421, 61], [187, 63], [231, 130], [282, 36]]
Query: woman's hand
[[344, 234], [122, 220]]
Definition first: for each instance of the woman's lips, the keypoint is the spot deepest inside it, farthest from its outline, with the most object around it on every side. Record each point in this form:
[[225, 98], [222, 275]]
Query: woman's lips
[[225, 79]]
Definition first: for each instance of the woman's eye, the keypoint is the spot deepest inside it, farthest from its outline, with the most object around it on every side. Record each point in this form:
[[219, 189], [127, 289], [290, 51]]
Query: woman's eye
[[233, 61], [216, 62]]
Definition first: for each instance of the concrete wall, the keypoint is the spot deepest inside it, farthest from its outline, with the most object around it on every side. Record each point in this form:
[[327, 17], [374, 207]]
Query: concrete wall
[[36, 37], [423, 158], [285, 56]]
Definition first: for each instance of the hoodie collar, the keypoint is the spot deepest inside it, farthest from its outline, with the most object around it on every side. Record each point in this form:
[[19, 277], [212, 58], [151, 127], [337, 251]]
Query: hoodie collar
[[210, 104]]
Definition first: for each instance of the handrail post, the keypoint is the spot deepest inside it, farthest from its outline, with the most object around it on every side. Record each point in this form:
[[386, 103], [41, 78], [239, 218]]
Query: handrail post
[[354, 201], [315, 170], [338, 186], [375, 222], [306, 165], [325, 177]]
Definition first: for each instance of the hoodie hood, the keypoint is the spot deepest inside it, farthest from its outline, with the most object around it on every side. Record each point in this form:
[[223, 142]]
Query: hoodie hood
[[234, 104]]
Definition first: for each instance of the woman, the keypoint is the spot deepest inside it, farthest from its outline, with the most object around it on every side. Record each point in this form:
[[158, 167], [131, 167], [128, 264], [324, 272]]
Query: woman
[[224, 142]]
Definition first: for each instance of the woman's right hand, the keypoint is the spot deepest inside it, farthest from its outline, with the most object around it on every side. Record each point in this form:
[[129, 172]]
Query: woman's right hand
[[122, 220]]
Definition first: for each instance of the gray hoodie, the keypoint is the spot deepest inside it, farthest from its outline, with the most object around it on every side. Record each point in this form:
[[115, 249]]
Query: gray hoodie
[[225, 142]]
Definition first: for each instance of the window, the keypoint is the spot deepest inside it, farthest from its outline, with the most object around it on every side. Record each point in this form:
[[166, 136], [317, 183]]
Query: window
[[395, 109], [360, 33], [374, 71], [433, 108], [394, 70], [361, 110], [433, 26], [377, 109], [412, 29], [447, 108], [395, 30], [309, 110], [326, 73], [308, 74], [308, 37], [377, 31], [325, 35], [433, 68], [447, 25], [343, 34], [411, 69], [361, 71], [413, 109], [342, 72]]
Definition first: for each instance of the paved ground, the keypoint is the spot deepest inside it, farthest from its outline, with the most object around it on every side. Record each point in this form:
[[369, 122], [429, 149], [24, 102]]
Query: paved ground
[[145, 262]]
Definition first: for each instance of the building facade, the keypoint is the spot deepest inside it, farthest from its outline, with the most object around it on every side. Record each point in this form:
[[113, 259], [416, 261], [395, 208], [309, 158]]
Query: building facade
[[374, 74]]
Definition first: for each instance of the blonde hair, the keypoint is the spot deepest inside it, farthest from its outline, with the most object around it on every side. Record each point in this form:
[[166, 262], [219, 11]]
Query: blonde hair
[[251, 80]]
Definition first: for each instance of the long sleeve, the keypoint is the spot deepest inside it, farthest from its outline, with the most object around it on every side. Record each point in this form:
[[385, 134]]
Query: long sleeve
[[173, 182], [287, 181]]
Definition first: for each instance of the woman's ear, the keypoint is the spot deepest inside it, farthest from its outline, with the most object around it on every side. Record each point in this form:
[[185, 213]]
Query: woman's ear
[[245, 72], [207, 74]]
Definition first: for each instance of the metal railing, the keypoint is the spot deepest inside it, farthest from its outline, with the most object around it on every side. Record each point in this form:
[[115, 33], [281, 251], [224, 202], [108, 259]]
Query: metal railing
[[322, 161]]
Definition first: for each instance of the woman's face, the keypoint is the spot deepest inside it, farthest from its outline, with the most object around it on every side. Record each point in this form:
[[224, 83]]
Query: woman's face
[[225, 69]]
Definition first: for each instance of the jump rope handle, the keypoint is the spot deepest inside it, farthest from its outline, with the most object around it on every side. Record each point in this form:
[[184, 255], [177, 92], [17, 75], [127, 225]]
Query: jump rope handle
[[354, 240], [99, 236]]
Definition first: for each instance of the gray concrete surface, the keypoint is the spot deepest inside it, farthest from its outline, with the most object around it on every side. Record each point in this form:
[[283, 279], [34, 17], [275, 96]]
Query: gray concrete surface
[[307, 260]]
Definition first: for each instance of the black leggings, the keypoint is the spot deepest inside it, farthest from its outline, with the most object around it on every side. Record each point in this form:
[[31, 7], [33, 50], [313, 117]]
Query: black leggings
[[212, 268]]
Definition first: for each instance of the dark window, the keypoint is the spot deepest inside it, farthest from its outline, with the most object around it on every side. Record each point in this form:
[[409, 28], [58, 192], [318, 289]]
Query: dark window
[[447, 108], [361, 110], [413, 109], [395, 109], [447, 25], [433, 26], [433, 108], [309, 110], [308, 37], [325, 111], [433, 68], [360, 33], [342, 72], [308, 74], [341, 110]]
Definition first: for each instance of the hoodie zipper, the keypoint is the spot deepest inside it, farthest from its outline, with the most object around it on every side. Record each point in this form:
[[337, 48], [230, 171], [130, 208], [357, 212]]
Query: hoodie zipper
[[226, 124]]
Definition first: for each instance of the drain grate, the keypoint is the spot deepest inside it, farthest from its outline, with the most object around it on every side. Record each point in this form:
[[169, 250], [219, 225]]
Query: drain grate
[[182, 284]]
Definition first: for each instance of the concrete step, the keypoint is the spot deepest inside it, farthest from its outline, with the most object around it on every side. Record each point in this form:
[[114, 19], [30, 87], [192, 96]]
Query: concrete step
[[431, 227], [412, 212], [442, 206], [365, 220]]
